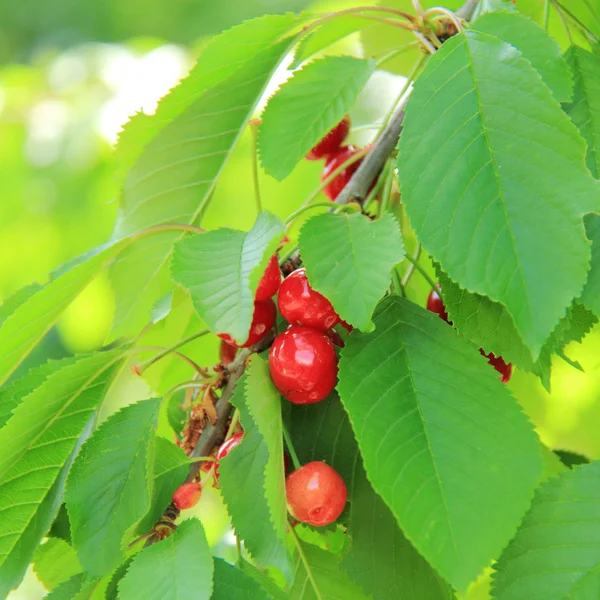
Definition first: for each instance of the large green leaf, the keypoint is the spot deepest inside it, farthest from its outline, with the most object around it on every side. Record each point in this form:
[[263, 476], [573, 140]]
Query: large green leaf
[[180, 566], [306, 107], [55, 562], [325, 571], [556, 552], [380, 559], [171, 465], [591, 292], [32, 319], [174, 176], [255, 470], [348, 258], [463, 473], [222, 270], [108, 490], [477, 174], [38, 441], [234, 584], [541, 50]]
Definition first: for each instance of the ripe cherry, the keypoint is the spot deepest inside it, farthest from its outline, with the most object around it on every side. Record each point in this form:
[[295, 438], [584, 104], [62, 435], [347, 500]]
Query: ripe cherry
[[269, 284], [505, 369], [225, 448], [436, 305], [303, 365], [316, 494], [263, 320], [227, 353], [333, 162], [299, 304], [331, 141], [187, 495]]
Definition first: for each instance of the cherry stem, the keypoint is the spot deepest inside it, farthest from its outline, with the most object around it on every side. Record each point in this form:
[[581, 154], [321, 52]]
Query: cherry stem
[[387, 190], [238, 547], [202, 459], [392, 54], [578, 22], [234, 421], [411, 268], [290, 446], [421, 270], [254, 123], [305, 562], [141, 367], [183, 386], [303, 209], [398, 287], [563, 20], [138, 371]]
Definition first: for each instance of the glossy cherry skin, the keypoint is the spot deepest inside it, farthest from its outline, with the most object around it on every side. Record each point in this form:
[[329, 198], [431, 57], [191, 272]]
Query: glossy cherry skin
[[299, 304], [303, 365], [332, 140], [505, 369], [187, 495], [263, 320], [227, 353], [436, 305], [316, 494], [225, 448], [269, 284], [333, 162]]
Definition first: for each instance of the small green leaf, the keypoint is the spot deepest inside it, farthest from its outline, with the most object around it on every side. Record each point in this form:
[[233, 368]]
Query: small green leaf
[[308, 105], [68, 590], [556, 552], [13, 302], [348, 258], [55, 562], [464, 470], [171, 465], [476, 174], [175, 568], [108, 490], [222, 269], [536, 46], [234, 584], [38, 441], [255, 470], [331, 582]]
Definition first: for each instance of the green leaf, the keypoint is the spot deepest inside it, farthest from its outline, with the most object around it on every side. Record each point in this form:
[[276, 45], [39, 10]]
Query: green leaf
[[39, 439], [55, 562], [536, 46], [570, 459], [476, 174], [347, 262], [170, 569], [171, 465], [380, 559], [13, 302], [108, 490], [174, 176], [222, 270], [331, 582], [464, 472], [308, 105], [235, 584], [255, 470], [112, 589], [68, 590], [272, 589], [555, 554], [552, 464], [585, 108], [591, 292], [27, 325]]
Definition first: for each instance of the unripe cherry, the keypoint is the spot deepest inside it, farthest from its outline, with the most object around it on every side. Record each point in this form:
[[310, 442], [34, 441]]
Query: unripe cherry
[[303, 365], [269, 284], [316, 494], [299, 304], [225, 448], [263, 320], [187, 495], [331, 141]]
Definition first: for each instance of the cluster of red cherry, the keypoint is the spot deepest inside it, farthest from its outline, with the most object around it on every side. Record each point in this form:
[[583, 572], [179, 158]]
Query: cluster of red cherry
[[436, 305]]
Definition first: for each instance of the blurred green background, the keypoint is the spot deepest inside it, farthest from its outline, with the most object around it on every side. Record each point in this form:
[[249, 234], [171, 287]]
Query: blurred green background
[[70, 75]]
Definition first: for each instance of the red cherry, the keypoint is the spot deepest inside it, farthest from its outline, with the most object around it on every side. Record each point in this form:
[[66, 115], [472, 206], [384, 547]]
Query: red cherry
[[187, 495], [227, 352], [269, 284], [303, 365], [301, 305], [225, 448], [331, 141], [316, 494], [505, 369], [436, 305], [263, 320], [333, 162]]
